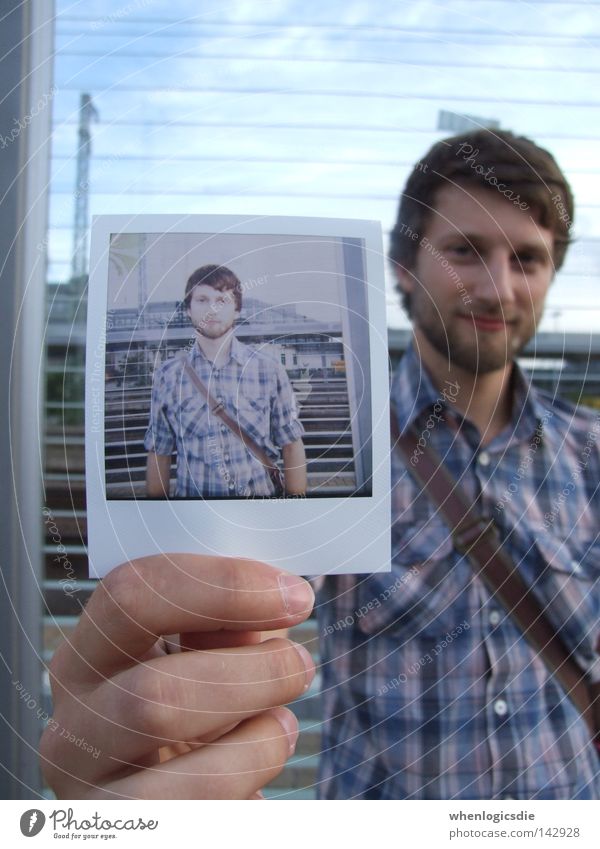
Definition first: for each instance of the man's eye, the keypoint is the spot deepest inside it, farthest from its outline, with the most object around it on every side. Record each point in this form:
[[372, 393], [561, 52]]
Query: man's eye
[[528, 259], [460, 250]]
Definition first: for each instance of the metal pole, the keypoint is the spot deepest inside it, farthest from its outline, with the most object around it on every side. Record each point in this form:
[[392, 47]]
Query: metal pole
[[26, 38]]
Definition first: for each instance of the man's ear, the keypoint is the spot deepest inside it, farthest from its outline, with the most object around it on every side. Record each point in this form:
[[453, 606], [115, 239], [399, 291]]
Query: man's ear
[[405, 279]]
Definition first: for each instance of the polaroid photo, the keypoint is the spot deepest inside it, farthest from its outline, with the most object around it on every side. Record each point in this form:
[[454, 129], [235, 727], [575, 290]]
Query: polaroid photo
[[237, 391]]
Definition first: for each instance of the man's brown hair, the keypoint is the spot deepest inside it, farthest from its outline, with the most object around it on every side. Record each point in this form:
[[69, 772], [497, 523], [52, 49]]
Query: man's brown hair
[[497, 160], [218, 277]]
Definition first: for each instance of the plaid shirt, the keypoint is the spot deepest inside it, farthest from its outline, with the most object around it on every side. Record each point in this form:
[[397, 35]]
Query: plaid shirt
[[211, 461], [429, 689]]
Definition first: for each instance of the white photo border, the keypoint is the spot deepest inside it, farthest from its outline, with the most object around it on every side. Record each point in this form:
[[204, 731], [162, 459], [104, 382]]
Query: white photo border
[[304, 536]]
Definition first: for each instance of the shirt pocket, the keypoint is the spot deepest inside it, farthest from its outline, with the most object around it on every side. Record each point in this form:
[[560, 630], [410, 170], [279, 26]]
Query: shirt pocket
[[566, 577], [195, 427], [253, 417], [426, 592]]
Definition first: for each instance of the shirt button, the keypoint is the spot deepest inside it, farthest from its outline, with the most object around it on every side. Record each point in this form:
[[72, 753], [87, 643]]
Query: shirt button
[[484, 459], [494, 617], [576, 565], [226, 456], [223, 429], [500, 707]]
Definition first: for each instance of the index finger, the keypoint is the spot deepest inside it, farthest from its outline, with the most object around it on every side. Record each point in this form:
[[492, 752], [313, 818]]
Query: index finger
[[166, 594]]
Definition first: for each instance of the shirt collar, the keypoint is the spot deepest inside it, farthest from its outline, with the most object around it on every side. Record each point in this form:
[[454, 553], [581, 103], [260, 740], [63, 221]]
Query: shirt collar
[[412, 389], [531, 410], [239, 352], [413, 392]]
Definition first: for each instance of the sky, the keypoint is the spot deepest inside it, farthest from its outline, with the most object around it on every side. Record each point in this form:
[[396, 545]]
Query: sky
[[276, 270], [310, 108]]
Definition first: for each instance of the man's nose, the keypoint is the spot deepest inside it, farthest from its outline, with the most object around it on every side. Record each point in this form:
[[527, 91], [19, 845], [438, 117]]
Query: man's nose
[[496, 282]]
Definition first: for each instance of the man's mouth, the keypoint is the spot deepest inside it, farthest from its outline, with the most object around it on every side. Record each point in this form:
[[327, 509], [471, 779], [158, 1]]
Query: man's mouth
[[486, 322]]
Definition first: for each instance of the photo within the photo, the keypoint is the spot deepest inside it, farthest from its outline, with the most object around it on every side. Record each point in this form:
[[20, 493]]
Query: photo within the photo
[[237, 366]]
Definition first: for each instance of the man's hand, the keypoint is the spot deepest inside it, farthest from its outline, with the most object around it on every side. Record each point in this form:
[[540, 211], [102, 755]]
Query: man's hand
[[213, 712], [294, 468], [158, 475]]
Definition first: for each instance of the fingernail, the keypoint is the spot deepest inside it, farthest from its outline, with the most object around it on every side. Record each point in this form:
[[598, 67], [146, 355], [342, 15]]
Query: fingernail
[[297, 594], [308, 663], [289, 723]]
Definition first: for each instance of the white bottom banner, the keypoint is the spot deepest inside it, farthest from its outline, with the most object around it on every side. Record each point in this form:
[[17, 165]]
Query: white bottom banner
[[260, 824]]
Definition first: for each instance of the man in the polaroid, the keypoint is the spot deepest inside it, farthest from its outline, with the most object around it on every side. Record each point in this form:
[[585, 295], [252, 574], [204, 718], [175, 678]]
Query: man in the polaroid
[[430, 689], [225, 409]]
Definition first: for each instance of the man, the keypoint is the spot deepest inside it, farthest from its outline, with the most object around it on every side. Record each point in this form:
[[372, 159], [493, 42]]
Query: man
[[248, 386], [432, 692]]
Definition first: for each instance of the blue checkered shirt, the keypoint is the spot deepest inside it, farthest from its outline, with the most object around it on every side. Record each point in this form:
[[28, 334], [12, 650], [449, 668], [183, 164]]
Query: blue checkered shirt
[[212, 461], [430, 691]]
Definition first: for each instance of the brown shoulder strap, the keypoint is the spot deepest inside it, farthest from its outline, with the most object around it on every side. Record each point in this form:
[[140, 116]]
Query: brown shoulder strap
[[217, 408], [478, 538]]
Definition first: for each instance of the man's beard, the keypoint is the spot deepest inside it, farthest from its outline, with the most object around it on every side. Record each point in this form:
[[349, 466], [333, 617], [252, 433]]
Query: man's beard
[[215, 331], [464, 345]]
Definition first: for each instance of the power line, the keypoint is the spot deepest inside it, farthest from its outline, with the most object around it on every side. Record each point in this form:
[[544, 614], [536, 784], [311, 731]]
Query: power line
[[386, 233], [59, 261], [271, 160], [342, 38], [308, 92], [297, 126], [310, 25], [219, 57], [166, 191]]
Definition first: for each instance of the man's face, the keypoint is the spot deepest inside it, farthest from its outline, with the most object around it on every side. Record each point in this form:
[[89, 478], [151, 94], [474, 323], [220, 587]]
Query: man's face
[[213, 313], [481, 275]]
